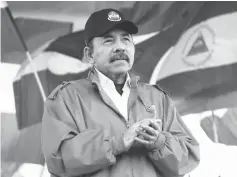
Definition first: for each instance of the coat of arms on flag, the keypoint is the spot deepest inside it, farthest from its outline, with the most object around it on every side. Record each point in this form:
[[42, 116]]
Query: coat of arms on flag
[[198, 48]]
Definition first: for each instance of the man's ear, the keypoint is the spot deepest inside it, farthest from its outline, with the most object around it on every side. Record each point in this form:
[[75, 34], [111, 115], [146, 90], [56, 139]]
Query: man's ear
[[89, 54]]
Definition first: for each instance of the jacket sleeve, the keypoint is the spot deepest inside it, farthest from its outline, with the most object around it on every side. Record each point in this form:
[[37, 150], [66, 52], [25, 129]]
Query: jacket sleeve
[[176, 150], [69, 152]]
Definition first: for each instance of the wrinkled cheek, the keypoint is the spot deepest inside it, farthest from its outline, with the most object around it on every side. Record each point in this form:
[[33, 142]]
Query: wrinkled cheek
[[132, 55], [99, 57], [131, 60], [98, 54]]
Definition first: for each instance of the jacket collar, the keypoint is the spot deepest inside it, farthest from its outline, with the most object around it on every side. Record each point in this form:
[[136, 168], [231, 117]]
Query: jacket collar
[[135, 91], [93, 76]]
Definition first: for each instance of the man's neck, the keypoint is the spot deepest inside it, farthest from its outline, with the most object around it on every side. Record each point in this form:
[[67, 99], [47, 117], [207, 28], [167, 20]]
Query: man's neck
[[118, 79]]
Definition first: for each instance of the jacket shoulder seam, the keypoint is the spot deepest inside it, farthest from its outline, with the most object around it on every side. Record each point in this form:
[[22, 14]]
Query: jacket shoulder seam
[[53, 95]]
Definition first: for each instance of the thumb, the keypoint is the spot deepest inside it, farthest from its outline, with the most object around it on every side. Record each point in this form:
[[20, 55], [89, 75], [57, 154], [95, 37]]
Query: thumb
[[156, 125], [153, 109]]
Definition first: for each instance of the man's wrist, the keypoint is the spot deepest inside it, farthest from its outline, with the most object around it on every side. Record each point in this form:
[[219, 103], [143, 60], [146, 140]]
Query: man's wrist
[[118, 144], [159, 143]]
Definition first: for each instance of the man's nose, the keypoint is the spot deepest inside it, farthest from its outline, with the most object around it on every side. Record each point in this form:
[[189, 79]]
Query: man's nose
[[119, 47]]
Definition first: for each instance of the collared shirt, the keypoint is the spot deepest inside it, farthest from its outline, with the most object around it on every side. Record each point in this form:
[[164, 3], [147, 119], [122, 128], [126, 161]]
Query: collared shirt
[[120, 101]]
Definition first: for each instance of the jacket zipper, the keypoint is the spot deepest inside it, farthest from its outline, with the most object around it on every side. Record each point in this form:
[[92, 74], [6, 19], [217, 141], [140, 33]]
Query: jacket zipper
[[125, 121]]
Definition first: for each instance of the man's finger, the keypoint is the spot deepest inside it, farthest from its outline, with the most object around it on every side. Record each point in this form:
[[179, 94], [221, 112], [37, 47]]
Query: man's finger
[[153, 107], [147, 136], [138, 129], [155, 125], [146, 121], [149, 130], [142, 141], [158, 120]]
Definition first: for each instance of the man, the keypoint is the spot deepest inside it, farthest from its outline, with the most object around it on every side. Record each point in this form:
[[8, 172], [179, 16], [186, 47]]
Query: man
[[110, 124]]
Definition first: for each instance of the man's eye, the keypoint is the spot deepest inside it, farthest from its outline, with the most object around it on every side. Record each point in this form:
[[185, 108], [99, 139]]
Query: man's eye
[[108, 40], [126, 39]]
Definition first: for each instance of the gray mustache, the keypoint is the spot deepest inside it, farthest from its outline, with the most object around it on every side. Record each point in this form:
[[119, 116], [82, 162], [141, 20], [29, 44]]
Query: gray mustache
[[119, 56]]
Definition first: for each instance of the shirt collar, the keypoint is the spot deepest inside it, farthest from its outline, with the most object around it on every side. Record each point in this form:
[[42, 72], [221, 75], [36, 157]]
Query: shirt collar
[[105, 82]]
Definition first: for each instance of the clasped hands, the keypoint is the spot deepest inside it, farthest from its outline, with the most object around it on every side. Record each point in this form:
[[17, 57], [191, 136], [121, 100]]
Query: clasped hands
[[148, 131], [145, 132]]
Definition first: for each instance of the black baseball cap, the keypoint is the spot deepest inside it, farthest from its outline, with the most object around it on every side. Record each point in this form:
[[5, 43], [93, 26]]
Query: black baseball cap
[[102, 21]]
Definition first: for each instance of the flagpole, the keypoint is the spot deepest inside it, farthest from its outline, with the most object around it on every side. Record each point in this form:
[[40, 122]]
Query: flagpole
[[214, 127], [5, 5]]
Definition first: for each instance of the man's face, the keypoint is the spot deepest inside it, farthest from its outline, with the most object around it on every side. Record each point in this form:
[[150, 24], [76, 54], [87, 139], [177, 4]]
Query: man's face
[[113, 53]]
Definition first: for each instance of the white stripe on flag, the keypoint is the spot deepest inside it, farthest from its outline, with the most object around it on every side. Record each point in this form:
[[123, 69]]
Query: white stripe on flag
[[3, 4], [158, 67], [141, 38], [209, 44], [55, 62]]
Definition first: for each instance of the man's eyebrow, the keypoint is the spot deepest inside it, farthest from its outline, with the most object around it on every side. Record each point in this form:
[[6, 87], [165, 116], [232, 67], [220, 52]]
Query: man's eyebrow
[[107, 36], [126, 34]]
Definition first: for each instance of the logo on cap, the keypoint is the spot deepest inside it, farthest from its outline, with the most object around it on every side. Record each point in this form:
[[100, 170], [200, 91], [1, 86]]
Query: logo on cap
[[113, 16]]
